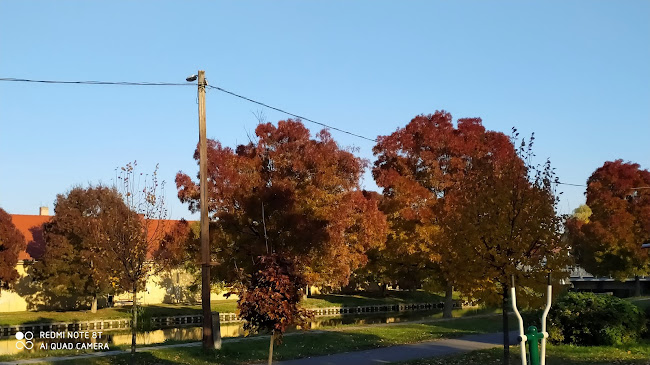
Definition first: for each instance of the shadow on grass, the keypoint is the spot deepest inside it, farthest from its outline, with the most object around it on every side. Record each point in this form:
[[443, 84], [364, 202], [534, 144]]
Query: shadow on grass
[[176, 310], [468, 325], [39, 320], [378, 298], [142, 358], [250, 351], [563, 355]]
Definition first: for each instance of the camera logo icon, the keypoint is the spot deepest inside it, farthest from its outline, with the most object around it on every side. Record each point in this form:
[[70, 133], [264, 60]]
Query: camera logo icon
[[24, 340]]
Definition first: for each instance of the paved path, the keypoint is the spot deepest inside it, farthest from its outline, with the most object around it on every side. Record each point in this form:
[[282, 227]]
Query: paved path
[[368, 357], [407, 352]]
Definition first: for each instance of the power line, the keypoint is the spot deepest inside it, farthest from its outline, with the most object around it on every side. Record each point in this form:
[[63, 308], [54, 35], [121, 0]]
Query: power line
[[121, 83], [127, 83], [561, 183], [584, 186], [293, 115]]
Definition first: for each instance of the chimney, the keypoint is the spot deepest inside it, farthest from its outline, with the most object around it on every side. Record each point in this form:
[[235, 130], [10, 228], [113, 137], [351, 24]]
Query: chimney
[[43, 211]]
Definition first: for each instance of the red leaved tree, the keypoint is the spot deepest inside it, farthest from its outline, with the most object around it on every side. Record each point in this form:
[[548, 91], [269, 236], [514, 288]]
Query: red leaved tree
[[12, 242], [288, 194], [269, 297], [467, 203], [423, 169], [609, 241]]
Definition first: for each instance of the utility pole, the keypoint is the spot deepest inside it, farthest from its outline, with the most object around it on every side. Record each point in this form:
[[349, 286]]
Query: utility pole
[[208, 342]]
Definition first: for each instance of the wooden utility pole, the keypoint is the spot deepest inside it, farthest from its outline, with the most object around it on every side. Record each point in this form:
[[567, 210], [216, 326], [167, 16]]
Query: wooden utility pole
[[208, 342]]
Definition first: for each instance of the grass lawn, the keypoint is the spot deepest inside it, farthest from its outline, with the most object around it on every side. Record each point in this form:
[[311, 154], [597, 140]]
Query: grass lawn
[[157, 310], [391, 297], [556, 355], [641, 302], [309, 343], [224, 306]]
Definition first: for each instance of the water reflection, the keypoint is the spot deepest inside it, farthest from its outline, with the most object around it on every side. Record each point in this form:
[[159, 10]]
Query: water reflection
[[8, 345]]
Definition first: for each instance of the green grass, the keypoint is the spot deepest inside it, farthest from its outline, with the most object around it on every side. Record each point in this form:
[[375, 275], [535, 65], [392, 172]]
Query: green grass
[[641, 302], [310, 343], [157, 310], [391, 297], [224, 306], [556, 355]]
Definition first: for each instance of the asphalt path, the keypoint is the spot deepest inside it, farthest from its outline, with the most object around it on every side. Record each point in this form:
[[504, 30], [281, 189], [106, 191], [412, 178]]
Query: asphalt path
[[421, 350]]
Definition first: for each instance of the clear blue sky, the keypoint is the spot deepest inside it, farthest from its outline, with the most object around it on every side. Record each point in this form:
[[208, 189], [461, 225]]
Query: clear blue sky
[[576, 73]]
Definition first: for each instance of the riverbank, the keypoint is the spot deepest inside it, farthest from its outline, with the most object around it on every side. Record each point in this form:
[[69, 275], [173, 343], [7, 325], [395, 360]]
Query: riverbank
[[222, 306]]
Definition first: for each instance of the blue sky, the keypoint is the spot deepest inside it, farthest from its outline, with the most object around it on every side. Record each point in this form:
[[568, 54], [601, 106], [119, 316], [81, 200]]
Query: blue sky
[[574, 72]]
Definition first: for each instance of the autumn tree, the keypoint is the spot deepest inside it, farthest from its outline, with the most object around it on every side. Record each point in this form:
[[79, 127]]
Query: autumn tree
[[269, 298], [609, 242], [172, 252], [421, 168], [582, 213], [12, 242], [506, 226], [73, 263], [132, 230], [467, 202], [175, 254], [291, 195]]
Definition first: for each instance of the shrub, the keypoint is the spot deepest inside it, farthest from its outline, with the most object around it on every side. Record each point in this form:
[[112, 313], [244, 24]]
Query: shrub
[[594, 320]]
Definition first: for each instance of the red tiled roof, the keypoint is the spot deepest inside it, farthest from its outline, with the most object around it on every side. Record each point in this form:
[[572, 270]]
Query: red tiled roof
[[31, 226]]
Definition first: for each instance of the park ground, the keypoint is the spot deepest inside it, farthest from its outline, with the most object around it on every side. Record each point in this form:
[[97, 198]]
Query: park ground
[[354, 337], [309, 343], [254, 350], [637, 354]]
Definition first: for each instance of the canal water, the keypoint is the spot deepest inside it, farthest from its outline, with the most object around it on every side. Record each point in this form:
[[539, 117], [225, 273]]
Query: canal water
[[93, 340]]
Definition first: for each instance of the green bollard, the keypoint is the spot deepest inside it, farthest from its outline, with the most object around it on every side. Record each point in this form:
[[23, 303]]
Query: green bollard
[[533, 338]]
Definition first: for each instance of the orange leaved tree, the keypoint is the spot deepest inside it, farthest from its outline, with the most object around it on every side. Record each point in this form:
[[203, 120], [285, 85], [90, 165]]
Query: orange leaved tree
[[609, 241]]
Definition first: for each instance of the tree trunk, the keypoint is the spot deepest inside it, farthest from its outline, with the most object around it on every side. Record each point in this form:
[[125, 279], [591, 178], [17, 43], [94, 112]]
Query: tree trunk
[[271, 347], [449, 302], [134, 325], [93, 307], [506, 339], [637, 286]]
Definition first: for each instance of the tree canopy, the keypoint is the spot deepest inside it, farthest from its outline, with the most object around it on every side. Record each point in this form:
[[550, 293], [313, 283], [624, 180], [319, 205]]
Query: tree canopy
[[465, 195], [12, 242], [609, 242], [288, 194], [74, 262], [469, 207], [422, 168]]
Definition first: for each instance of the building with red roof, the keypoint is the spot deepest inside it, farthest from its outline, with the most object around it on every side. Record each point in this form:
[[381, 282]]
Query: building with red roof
[[160, 288]]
